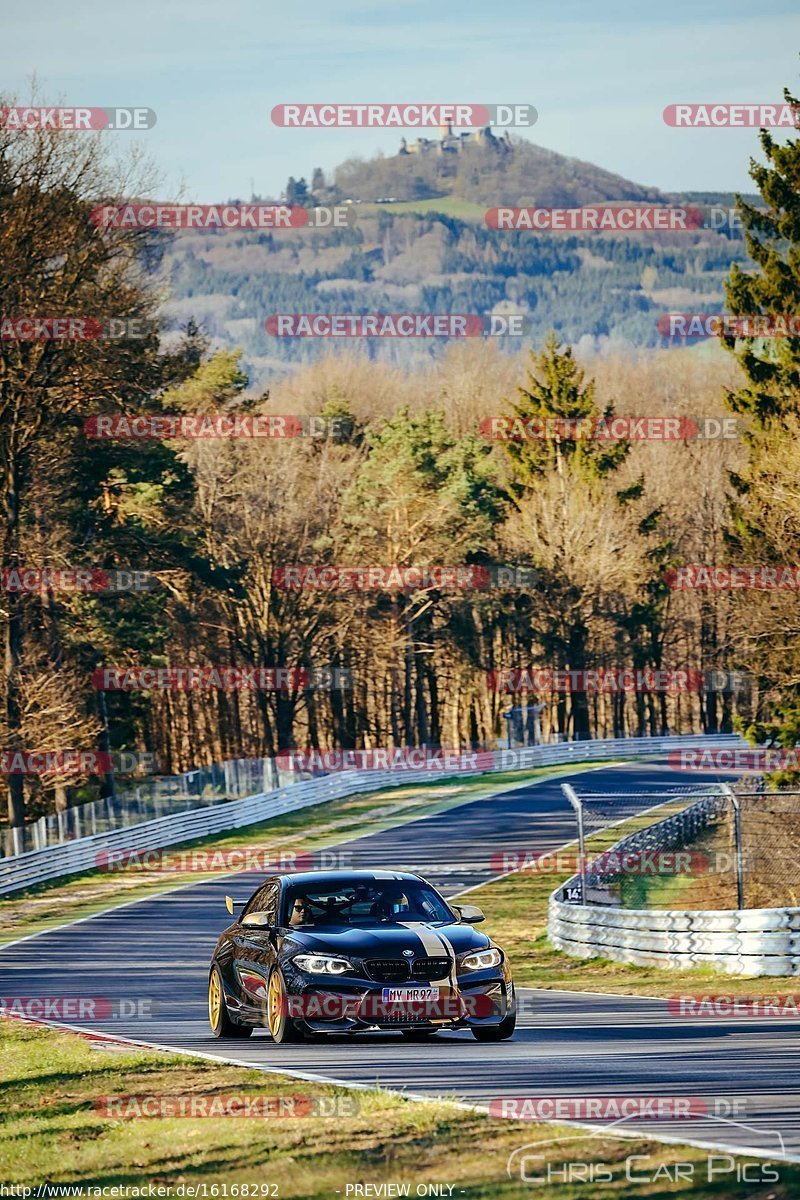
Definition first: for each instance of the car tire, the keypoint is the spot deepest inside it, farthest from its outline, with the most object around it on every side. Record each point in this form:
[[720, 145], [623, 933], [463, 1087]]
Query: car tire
[[281, 1026], [218, 1016], [501, 1032]]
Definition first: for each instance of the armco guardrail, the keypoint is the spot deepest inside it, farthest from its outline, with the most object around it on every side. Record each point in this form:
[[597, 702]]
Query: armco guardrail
[[147, 799], [71, 858], [754, 941]]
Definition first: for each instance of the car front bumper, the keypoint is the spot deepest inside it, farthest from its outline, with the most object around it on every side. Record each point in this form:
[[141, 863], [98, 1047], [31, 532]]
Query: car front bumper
[[479, 998]]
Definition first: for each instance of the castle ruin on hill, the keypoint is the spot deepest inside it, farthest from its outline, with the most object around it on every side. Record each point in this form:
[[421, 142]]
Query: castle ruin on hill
[[453, 143]]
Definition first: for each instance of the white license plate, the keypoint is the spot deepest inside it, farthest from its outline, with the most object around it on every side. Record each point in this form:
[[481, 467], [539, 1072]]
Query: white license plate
[[402, 995]]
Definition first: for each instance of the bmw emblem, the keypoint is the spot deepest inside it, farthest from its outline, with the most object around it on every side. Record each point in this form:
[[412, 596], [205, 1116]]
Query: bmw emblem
[[408, 953]]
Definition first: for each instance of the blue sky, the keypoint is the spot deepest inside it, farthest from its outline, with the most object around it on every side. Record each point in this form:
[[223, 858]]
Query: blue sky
[[599, 75]]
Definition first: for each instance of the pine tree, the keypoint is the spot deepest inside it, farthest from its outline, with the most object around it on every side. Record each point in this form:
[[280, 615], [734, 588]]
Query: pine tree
[[772, 237], [556, 390], [765, 514], [565, 461]]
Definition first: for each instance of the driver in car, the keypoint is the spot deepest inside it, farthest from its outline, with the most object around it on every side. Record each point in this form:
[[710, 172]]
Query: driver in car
[[301, 913]]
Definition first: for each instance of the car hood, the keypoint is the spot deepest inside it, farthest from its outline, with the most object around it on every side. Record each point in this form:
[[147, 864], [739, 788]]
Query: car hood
[[390, 941]]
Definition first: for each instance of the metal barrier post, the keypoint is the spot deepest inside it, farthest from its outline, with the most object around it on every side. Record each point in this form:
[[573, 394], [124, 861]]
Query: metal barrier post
[[575, 801], [737, 830]]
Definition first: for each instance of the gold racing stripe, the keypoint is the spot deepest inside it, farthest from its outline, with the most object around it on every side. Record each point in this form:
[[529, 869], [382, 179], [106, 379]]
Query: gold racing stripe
[[435, 945]]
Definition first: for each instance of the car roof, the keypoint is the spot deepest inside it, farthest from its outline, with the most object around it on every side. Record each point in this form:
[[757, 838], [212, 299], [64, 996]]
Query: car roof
[[321, 878]]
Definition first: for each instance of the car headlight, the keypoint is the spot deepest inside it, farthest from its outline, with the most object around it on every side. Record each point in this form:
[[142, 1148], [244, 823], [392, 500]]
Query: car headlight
[[322, 964], [481, 959]]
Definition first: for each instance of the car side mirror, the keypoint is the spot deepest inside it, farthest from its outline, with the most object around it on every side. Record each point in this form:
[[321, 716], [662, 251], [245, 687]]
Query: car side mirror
[[469, 914], [257, 918]]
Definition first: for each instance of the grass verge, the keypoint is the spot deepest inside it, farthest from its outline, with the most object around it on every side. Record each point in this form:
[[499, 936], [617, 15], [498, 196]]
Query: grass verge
[[52, 1132]]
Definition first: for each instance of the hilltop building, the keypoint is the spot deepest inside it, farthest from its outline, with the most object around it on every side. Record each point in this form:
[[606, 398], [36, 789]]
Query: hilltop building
[[453, 143]]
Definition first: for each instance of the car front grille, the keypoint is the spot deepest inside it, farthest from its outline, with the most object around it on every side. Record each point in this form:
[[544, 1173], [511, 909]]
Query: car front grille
[[401, 970], [430, 968], [388, 970]]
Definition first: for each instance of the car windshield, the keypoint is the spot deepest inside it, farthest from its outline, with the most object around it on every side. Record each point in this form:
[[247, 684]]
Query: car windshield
[[365, 902]]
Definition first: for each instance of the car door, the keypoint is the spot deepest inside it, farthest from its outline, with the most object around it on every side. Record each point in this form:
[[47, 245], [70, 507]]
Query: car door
[[255, 936]]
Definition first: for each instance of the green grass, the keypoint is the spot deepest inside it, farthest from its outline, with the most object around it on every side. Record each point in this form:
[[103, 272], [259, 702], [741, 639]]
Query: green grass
[[450, 206], [51, 1131], [323, 825]]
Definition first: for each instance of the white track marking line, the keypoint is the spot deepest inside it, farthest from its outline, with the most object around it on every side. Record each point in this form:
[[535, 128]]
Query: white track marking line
[[416, 1097]]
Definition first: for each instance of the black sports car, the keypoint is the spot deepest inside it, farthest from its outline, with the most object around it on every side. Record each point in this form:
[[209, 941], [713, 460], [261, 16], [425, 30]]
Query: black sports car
[[346, 951]]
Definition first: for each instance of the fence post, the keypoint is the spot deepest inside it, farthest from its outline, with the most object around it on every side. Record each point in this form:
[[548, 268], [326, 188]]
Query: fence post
[[575, 801], [737, 830]]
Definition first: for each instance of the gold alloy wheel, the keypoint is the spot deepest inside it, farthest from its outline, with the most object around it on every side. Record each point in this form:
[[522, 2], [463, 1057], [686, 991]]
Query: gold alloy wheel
[[274, 1003], [214, 1000]]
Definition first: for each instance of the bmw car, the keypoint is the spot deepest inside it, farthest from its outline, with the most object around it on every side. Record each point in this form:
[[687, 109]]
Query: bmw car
[[343, 952]]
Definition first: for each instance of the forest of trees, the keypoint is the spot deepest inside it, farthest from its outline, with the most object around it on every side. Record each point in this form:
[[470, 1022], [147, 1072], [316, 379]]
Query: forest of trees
[[408, 479], [607, 289]]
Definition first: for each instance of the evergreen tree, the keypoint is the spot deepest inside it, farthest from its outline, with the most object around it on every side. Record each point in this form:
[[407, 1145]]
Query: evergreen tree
[[772, 238], [765, 512], [296, 192], [564, 460], [556, 391]]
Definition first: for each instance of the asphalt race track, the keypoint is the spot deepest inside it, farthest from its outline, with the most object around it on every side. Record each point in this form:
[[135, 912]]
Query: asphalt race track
[[567, 1044]]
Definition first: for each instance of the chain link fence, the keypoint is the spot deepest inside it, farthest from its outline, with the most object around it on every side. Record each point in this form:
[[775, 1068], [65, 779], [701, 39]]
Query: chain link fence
[[704, 847], [769, 834]]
